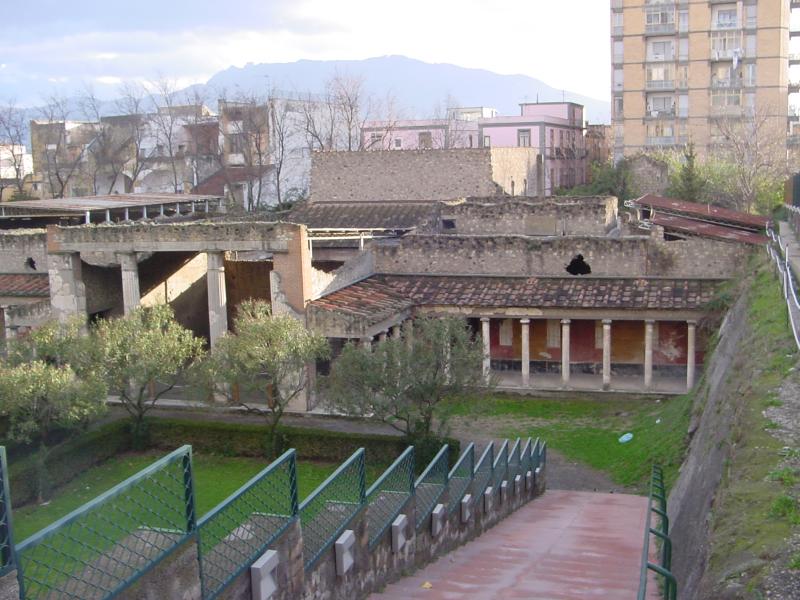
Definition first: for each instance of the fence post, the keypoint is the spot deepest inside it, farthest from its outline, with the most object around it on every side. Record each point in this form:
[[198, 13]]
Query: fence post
[[188, 491]]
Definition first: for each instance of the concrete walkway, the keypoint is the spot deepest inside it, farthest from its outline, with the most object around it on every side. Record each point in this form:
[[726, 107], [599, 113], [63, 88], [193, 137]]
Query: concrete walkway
[[565, 545]]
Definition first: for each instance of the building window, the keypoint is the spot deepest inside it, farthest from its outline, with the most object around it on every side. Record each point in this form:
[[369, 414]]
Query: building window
[[448, 223], [487, 141], [683, 21], [660, 106], [751, 19], [683, 105], [617, 107], [618, 80], [425, 140], [553, 333], [375, 139], [683, 49], [398, 143], [750, 74], [470, 140], [524, 138], [660, 50]]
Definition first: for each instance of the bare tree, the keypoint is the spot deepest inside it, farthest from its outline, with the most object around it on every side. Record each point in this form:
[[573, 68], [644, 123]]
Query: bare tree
[[108, 151], [166, 123], [136, 126], [62, 150], [12, 133], [279, 139], [754, 150]]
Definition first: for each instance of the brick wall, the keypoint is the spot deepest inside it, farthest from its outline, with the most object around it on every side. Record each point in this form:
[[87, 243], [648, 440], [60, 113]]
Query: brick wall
[[401, 175]]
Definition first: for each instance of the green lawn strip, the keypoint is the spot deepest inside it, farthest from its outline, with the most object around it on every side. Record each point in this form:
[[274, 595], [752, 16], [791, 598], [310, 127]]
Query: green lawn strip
[[750, 517], [216, 477], [588, 430]]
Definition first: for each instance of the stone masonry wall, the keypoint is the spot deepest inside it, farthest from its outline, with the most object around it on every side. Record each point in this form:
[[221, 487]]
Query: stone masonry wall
[[18, 245], [515, 170], [548, 256], [401, 175], [555, 216]]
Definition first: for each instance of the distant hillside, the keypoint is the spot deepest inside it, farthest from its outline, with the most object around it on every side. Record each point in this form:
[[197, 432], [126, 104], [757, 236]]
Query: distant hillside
[[418, 86]]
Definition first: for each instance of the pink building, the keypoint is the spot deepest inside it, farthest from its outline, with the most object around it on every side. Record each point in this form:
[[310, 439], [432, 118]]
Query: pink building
[[555, 128]]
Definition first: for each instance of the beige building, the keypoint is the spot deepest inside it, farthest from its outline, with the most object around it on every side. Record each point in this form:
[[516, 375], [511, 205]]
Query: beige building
[[680, 67]]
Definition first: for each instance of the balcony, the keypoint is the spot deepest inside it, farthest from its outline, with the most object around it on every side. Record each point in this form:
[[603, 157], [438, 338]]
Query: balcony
[[659, 28], [794, 30], [732, 110], [663, 113], [660, 84], [725, 53], [660, 57], [664, 140], [722, 25], [723, 84], [794, 59], [794, 86]]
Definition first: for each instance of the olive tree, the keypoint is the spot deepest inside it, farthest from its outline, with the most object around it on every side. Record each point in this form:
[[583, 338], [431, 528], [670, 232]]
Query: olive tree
[[404, 381], [144, 347], [38, 398], [265, 357]]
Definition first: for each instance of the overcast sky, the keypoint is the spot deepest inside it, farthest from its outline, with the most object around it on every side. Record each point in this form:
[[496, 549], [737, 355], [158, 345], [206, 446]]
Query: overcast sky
[[57, 45]]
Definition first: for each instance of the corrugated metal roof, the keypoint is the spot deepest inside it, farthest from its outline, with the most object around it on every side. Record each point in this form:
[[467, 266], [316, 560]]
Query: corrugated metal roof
[[712, 230], [704, 211], [81, 204]]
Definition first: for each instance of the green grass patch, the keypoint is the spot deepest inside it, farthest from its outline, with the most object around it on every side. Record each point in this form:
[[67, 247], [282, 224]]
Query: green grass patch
[[588, 430], [794, 561], [786, 475], [753, 515], [216, 477]]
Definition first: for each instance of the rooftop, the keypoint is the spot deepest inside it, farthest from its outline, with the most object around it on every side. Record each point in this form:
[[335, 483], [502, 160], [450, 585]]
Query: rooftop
[[705, 229], [22, 285], [361, 215], [80, 204], [705, 212]]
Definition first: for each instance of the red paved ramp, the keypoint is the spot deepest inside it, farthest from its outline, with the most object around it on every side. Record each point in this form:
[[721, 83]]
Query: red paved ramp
[[564, 545]]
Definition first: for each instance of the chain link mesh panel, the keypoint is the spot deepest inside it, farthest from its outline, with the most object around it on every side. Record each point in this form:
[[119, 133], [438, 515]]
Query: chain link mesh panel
[[514, 461], [328, 509], [500, 467], [6, 537], [389, 494], [430, 486], [483, 471], [460, 477], [235, 533], [99, 549]]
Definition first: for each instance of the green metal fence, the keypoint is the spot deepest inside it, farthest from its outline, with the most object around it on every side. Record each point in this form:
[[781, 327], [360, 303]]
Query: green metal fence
[[6, 532], [657, 503], [327, 511], [500, 467], [235, 533], [430, 486], [525, 459], [514, 461], [102, 547], [460, 477], [483, 471], [389, 494]]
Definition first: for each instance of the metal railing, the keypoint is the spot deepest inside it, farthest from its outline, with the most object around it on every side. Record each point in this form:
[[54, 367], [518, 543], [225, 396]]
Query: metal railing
[[101, 548], [500, 467], [235, 533], [7, 561], [460, 478], [389, 494], [658, 495], [327, 511], [483, 471], [430, 486], [514, 460], [781, 259]]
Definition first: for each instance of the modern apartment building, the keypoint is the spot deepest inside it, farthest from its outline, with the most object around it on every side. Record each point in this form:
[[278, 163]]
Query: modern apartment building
[[681, 66]]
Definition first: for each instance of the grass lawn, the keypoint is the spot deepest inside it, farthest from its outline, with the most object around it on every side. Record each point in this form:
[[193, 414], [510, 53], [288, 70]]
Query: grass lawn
[[216, 477], [588, 429]]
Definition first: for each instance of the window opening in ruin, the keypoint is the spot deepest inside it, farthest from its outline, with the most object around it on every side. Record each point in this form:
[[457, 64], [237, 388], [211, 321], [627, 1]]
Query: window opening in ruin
[[578, 266], [448, 224]]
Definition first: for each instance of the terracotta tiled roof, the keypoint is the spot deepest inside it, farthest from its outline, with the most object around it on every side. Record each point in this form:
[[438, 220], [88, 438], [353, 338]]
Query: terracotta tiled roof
[[215, 184], [387, 293], [706, 212], [362, 215], [28, 285], [711, 230]]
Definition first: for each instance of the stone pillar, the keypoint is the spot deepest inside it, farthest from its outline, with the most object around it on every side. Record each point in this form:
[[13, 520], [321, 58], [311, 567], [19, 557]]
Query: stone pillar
[[606, 353], [108, 216], [408, 332], [67, 292], [526, 352], [565, 351], [648, 354], [691, 327], [130, 281], [396, 331], [382, 336], [217, 297], [366, 342], [487, 348]]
